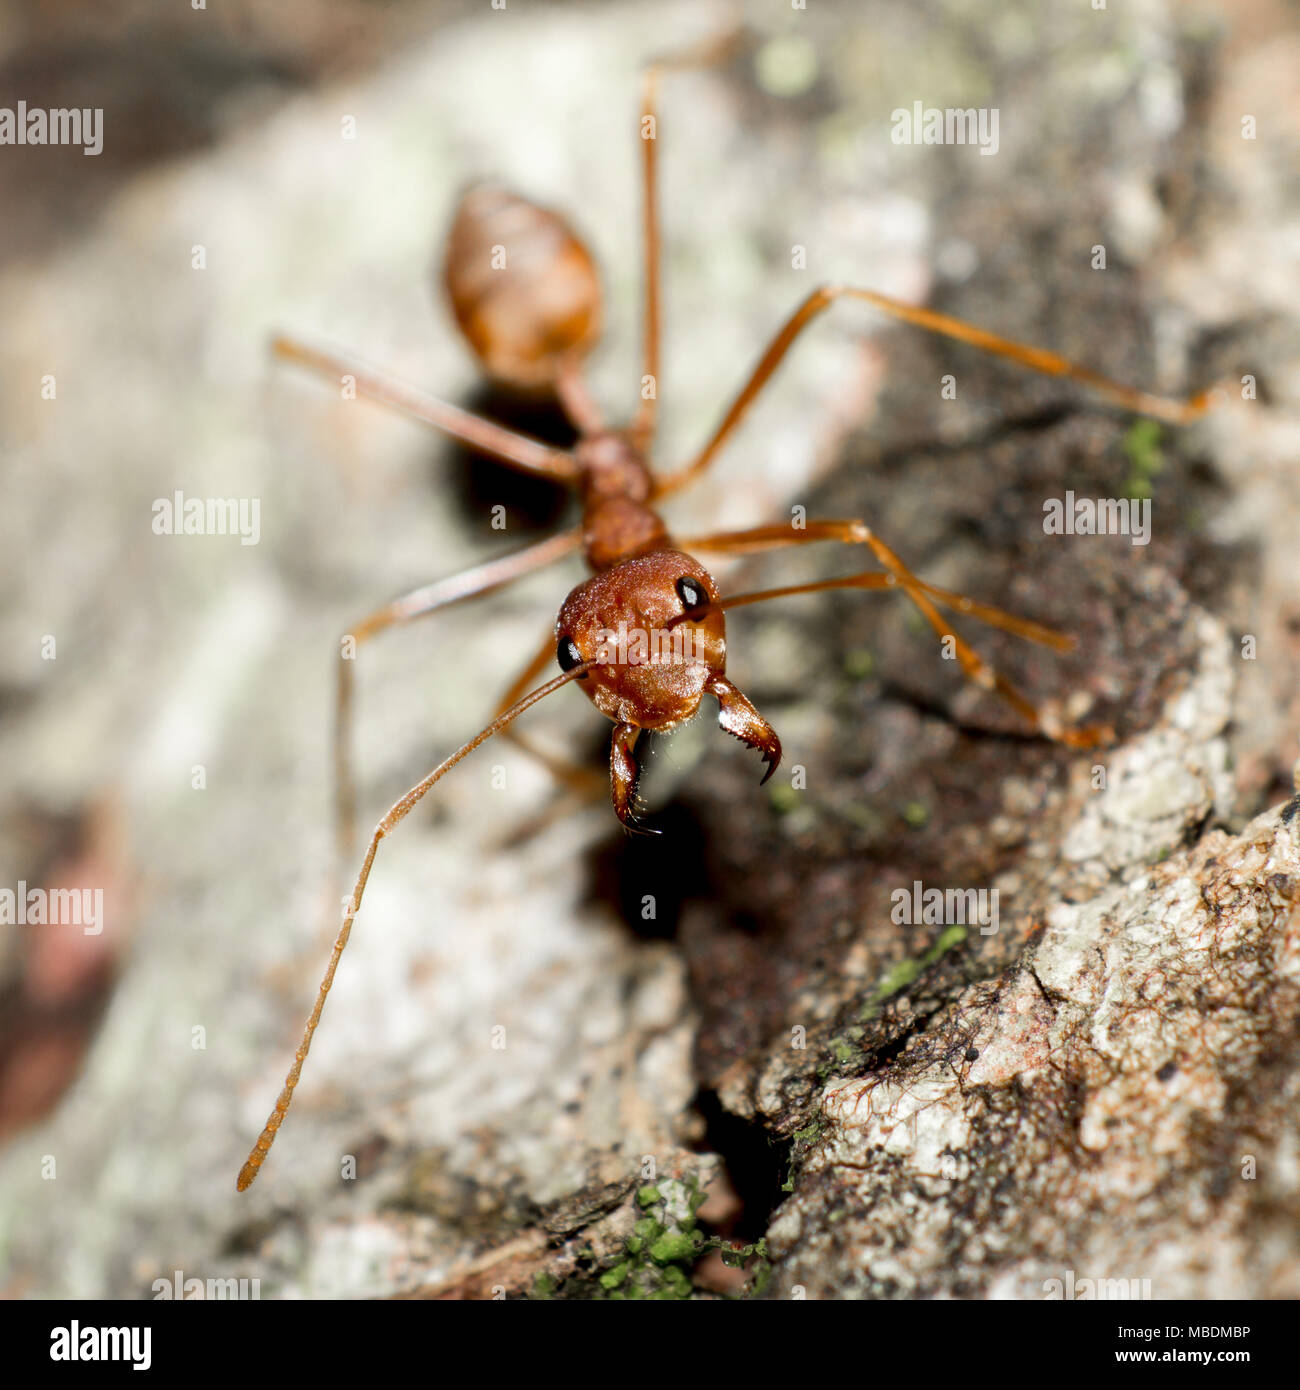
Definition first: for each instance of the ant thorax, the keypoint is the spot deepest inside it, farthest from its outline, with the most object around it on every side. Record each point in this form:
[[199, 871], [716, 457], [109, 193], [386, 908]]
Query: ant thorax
[[614, 480]]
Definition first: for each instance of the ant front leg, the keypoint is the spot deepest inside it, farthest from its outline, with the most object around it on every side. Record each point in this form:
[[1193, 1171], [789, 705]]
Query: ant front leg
[[896, 575], [1036, 359]]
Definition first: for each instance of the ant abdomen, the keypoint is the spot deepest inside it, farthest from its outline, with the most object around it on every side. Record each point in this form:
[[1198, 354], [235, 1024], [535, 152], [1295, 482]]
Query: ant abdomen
[[522, 286]]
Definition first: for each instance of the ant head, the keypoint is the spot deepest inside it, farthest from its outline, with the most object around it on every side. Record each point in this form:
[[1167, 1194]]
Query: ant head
[[522, 285], [647, 622]]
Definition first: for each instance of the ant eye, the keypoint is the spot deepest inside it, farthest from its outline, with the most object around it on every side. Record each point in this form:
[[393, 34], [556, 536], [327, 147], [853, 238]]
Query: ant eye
[[567, 654], [691, 592]]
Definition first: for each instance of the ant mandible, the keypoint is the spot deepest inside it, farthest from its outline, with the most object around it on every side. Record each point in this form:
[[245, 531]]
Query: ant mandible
[[530, 323]]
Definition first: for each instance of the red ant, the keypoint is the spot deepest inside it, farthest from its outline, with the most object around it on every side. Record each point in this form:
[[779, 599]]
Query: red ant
[[530, 318]]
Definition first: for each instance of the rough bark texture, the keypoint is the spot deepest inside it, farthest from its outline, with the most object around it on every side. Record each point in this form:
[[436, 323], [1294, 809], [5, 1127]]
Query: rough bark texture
[[1103, 1088]]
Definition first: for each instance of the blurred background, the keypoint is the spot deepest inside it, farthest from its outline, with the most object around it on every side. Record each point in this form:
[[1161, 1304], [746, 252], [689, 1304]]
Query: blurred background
[[166, 700]]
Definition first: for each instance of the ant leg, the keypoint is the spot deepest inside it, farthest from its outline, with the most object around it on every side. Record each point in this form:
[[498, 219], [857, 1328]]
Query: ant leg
[[710, 51], [762, 538], [397, 812], [896, 575], [467, 584], [643, 424], [519, 450], [1175, 412]]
